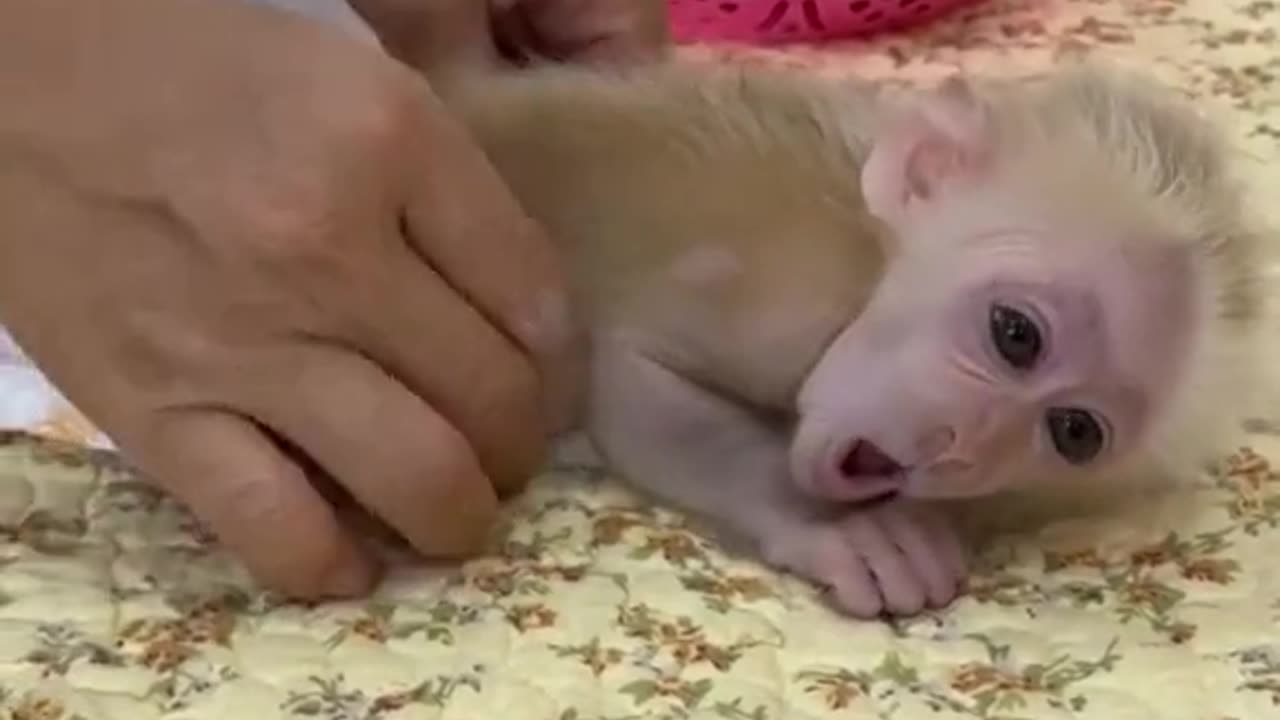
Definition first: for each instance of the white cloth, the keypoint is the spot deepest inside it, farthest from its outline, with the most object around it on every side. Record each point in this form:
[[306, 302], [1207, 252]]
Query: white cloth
[[30, 402]]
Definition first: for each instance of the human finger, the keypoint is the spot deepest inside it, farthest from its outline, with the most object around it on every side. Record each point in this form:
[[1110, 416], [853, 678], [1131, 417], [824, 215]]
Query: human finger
[[429, 337], [386, 447], [463, 219], [256, 501]]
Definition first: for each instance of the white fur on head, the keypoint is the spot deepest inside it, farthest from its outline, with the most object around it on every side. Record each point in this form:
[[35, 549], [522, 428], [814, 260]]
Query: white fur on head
[[1127, 151], [1166, 169]]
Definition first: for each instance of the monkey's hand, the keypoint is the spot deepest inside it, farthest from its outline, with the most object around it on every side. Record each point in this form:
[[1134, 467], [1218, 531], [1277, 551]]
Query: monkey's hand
[[892, 559]]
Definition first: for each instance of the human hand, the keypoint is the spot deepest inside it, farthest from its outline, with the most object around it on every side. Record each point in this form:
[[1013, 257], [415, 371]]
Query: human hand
[[227, 233], [430, 34]]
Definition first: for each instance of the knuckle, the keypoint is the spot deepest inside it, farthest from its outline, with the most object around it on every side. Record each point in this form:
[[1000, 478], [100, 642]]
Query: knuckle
[[291, 220], [385, 117], [163, 357], [248, 500], [379, 124]]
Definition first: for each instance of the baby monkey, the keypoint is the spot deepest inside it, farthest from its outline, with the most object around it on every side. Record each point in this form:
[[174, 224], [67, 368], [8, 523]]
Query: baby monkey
[[819, 316], [830, 320]]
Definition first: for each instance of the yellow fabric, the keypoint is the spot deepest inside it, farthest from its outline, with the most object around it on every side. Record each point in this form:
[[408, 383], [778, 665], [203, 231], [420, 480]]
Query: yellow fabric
[[597, 607]]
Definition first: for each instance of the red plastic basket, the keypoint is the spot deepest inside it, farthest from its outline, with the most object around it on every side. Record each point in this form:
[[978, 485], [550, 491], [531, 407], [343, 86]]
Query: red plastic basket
[[781, 21]]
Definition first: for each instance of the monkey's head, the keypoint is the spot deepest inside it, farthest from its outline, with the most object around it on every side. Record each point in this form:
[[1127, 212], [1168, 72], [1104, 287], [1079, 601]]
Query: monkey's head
[[1070, 288]]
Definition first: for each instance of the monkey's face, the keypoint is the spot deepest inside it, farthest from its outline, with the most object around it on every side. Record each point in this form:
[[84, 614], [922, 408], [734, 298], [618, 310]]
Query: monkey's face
[[1012, 357], [1036, 318]]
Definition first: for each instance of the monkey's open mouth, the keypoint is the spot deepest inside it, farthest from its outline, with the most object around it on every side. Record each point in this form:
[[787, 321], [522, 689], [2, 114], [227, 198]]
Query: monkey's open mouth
[[862, 472], [866, 459]]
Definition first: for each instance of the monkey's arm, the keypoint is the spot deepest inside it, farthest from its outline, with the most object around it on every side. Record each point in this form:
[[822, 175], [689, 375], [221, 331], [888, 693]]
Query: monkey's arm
[[711, 456]]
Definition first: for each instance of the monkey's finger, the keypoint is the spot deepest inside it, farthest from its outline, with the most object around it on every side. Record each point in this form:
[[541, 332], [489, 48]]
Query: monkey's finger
[[825, 557], [936, 529], [902, 591], [832, 560], [393, 454], [433, 341], [855, 589], [257, 502], [463, 220], [924, 545]]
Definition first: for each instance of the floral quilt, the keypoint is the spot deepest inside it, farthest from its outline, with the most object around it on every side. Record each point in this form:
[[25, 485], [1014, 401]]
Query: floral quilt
[[597, 606]]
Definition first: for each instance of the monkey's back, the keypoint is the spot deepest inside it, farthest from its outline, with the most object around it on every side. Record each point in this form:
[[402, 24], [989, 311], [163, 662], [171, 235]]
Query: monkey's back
[[712, 212]]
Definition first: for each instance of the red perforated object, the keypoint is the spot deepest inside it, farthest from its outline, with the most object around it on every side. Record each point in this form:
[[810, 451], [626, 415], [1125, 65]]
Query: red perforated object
[[780, 21]]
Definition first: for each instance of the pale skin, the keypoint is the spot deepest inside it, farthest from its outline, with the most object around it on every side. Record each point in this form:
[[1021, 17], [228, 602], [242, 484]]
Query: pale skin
[[826, 322], [259, 254]]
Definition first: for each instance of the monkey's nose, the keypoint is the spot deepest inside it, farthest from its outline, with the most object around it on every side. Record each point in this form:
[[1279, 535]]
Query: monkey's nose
[[934, 443]]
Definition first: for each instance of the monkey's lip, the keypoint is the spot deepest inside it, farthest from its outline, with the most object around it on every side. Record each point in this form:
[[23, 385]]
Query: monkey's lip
[[859, 470]]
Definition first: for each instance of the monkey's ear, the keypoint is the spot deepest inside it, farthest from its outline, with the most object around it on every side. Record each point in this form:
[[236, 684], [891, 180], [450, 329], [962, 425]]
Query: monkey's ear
[[943, 138]]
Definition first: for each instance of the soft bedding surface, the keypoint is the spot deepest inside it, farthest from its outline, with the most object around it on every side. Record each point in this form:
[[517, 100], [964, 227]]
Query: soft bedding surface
[[594, 606]]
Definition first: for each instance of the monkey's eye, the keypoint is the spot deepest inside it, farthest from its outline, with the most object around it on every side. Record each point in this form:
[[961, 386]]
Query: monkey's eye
[[1016, 336], [1077, 435]]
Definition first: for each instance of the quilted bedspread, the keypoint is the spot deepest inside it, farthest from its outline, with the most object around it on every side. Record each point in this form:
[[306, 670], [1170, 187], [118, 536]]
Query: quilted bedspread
[[596, 606]]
